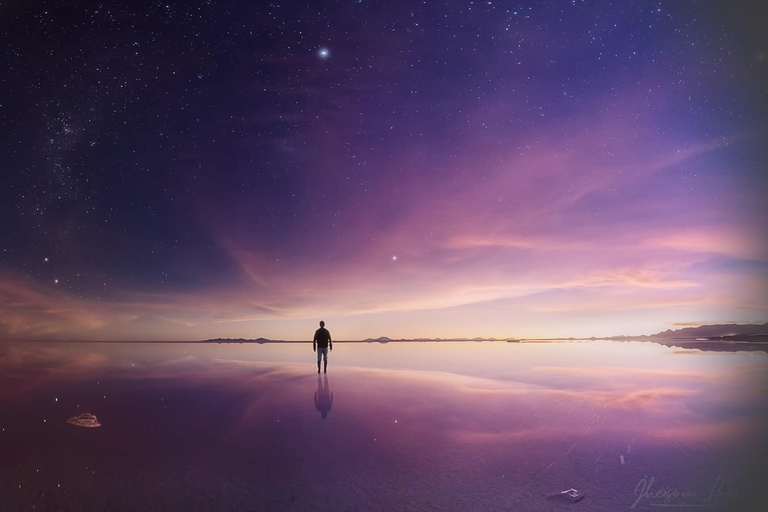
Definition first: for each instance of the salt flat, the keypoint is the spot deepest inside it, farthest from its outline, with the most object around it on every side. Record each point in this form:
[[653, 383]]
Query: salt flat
[[407, 426]]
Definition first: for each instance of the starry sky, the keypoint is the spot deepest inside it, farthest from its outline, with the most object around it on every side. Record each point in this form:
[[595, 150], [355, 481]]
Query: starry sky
[[220, 168]]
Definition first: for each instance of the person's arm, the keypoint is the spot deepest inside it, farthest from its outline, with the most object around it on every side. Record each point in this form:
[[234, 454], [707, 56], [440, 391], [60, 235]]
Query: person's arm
[[314, 343], [330, 341]]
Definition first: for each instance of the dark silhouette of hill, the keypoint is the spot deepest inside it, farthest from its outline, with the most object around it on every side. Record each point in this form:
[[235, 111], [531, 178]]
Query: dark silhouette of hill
[[241, 340], [713, 331], [382, 339]]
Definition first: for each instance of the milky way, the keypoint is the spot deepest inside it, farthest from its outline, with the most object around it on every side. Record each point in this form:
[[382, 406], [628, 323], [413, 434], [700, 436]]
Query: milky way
[[180, 170]]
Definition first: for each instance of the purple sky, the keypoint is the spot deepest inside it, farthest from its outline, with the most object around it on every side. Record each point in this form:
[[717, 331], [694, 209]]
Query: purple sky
[[186, 171]]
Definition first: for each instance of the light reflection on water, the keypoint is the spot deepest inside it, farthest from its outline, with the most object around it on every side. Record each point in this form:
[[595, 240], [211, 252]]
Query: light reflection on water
[[460, 426]]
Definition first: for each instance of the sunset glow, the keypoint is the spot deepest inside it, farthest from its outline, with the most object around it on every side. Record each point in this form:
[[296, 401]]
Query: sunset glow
[[463, 170]]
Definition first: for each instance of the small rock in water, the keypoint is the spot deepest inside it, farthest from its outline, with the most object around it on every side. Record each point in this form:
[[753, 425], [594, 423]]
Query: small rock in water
[[85, 419], [570, 496]]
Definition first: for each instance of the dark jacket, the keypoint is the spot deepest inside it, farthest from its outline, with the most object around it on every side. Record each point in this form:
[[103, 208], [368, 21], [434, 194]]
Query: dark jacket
[[322, 338]]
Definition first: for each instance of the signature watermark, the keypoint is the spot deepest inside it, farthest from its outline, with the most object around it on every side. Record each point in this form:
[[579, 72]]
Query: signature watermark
[[650, 494]]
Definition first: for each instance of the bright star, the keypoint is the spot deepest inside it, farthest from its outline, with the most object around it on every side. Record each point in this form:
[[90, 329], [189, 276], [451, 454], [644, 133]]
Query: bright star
[[394, 258], [324, 53]]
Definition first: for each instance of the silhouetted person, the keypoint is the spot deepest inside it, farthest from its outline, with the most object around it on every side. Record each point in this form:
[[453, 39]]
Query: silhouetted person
[[323, 397], [321, 343]]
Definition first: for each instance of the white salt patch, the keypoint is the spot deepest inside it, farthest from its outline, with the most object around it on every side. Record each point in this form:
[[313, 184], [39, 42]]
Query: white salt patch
[[85, 419]]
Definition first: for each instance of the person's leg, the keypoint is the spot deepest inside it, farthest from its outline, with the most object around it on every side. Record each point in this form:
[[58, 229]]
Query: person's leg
[[325, 360], [319, 355]]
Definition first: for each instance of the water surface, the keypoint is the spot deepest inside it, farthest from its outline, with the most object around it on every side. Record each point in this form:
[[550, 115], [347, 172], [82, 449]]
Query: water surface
[[398, 426]]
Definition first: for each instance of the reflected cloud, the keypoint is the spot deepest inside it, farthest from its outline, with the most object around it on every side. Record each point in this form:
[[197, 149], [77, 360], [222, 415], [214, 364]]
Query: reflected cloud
[[26, 368], [667, 396]]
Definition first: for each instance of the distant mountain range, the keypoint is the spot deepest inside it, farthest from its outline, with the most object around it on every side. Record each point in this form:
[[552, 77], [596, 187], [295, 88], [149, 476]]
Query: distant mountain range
[[719, 338], [719, 331], [741, 332], [750, 332], [243, 340], [384, 339]]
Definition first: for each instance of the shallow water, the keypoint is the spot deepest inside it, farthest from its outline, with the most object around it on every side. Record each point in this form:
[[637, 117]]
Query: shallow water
[[408, 426]]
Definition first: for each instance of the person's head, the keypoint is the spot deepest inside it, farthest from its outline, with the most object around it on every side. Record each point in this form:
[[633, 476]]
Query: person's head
[[322, 324]]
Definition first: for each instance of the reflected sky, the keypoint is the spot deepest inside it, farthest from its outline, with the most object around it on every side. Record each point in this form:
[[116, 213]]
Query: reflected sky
[[403, 425]]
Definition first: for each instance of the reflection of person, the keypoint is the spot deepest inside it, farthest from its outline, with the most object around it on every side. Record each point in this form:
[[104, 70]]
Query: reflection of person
[[321, 344], [323, 397]]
